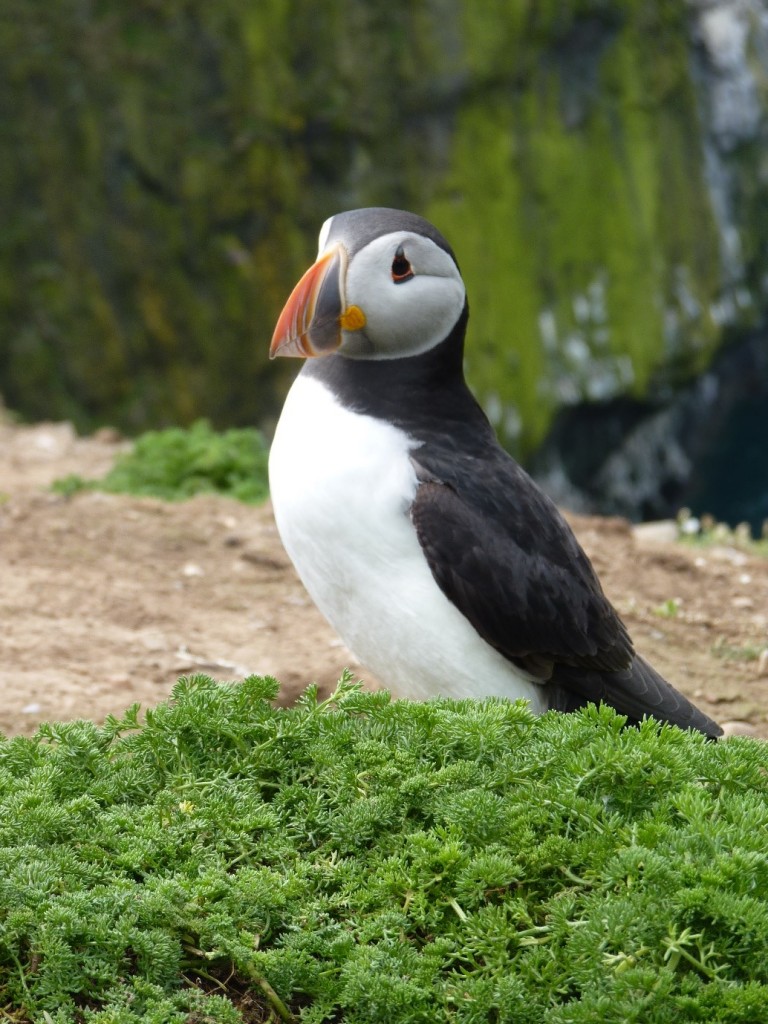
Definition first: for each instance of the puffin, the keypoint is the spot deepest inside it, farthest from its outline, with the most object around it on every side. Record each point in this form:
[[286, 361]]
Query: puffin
[[441, 564]]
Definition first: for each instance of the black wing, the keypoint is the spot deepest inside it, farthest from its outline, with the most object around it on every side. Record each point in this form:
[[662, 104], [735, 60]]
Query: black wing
[[635, 692], [502, 553]]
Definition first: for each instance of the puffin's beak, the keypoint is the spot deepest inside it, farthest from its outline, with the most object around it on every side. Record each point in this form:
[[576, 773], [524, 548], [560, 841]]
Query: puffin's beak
[[313, 317]]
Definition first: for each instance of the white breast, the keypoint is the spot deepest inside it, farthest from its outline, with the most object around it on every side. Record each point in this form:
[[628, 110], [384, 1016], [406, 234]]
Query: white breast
[[342, 485]]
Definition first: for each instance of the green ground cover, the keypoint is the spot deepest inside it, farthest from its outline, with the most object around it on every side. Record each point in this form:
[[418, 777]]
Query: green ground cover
[[369, 860]]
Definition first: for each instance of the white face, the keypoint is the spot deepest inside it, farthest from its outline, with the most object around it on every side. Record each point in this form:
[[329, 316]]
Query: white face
[[409, 290]]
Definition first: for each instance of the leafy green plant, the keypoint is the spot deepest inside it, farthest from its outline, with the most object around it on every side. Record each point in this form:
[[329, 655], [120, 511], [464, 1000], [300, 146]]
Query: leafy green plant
[[177, 463], [668, 609], [364, 860]]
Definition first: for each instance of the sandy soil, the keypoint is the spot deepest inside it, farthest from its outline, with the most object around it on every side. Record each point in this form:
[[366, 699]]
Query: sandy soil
[[106, 600]]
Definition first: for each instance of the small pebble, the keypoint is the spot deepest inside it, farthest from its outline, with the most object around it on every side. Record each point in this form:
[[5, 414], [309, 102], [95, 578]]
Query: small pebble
[[107, 435], [737, 728], [662, 532]]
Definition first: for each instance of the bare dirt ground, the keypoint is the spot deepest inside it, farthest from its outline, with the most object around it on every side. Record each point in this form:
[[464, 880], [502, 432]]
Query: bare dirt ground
[[106, 600]]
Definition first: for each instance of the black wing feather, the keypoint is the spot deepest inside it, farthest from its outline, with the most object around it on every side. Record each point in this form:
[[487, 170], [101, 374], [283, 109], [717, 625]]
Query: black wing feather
[[636, 692], [503, 554], [506, 558]]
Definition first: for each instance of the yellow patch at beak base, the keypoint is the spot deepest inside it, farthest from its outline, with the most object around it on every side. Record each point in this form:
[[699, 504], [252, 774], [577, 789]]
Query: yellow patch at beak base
[[352, 319]]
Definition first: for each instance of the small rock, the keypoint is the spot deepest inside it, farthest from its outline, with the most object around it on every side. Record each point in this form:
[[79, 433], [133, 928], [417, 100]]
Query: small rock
[[718, 698], [121, 679], [190, 569], [32, 709], [742, 602], [664, 531], [152, 641], [762, 663], [47, 440], [738, 728], [265, 560], [724, 553], [107, 435]]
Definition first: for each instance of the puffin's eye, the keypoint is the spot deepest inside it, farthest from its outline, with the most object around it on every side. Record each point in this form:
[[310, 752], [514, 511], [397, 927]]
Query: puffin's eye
[[401, 268]]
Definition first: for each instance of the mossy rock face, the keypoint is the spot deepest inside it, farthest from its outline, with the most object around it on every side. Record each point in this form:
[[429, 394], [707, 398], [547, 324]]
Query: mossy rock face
[[579, 203], [166, 169]]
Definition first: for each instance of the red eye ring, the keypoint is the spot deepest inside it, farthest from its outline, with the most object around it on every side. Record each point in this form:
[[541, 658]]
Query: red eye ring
[[401, 268]]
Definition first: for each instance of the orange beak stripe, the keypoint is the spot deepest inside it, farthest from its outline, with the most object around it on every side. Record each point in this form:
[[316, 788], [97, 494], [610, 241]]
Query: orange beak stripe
[[313, 317]]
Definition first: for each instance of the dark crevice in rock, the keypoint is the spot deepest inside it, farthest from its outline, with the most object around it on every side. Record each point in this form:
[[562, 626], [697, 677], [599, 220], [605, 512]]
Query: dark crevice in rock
[[705, 447]]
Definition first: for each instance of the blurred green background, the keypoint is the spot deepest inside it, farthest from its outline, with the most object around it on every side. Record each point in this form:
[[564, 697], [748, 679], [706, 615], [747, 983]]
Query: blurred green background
[[600, 167]]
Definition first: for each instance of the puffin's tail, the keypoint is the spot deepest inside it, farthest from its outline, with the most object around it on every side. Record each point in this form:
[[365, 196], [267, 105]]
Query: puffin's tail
[[635, 692]]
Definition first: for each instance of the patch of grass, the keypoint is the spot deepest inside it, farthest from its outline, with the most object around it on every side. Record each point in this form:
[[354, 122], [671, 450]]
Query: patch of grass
[[364, 860], [178, 463], [733, 652], [668, 609], [706, 531]]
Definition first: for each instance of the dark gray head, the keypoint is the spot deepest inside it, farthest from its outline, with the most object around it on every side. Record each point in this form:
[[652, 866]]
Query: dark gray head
[[356, 228], [385, 285]]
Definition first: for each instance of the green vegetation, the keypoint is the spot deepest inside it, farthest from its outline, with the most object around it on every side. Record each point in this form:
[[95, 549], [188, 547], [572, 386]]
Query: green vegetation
[[707, 532], [175, 464], [668, 609], [737, 652], [363, 860]]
